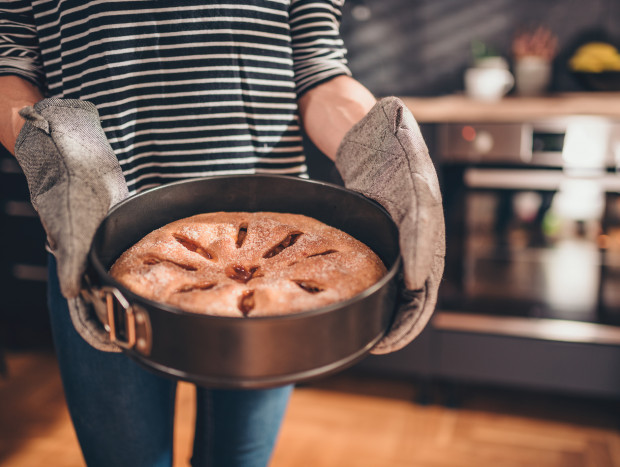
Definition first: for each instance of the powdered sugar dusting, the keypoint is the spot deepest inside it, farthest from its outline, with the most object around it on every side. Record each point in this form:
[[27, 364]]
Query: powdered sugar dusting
[[331, 265]]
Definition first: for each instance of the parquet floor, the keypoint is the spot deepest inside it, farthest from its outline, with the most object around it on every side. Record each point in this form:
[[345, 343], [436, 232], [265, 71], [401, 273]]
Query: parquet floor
[[347, 421]]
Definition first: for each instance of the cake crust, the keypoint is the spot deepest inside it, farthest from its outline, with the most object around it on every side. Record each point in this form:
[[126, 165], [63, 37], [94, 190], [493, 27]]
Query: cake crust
[[247, 264]]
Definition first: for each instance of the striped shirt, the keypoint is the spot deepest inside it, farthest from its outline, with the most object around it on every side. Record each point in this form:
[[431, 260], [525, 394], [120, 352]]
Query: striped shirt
[[184, 89]]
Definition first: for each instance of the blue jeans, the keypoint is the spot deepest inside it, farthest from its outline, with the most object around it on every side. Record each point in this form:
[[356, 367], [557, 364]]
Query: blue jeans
[[124, 415]]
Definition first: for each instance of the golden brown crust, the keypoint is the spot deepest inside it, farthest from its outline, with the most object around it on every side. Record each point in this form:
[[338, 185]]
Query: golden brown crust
[[248, 264]]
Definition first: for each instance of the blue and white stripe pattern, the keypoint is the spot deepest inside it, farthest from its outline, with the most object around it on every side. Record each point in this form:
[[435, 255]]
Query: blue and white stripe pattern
[[184, 89]]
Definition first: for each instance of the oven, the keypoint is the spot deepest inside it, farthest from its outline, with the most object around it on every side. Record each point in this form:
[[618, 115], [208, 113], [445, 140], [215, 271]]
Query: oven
[[531, 290], [533, 220]]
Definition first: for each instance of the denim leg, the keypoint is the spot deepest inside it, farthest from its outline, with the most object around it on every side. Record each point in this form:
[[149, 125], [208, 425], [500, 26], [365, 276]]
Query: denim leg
[[123, 414], [237, 428]]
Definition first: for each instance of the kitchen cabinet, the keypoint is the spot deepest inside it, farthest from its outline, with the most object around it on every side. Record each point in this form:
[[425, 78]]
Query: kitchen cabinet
[[24, 322]]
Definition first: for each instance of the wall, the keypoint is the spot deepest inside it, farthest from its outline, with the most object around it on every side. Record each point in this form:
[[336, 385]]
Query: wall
[[421, 47]]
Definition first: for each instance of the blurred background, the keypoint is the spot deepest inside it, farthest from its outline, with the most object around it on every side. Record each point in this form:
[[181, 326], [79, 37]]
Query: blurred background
[[519, 105], [519, 102], [422, 48]]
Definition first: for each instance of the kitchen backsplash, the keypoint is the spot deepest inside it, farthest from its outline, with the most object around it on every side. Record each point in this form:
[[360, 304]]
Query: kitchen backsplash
[[422, 47]]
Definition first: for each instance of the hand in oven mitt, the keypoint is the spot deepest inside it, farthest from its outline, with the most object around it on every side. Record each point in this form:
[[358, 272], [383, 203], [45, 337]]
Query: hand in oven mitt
[[74, 179], [385, 158]]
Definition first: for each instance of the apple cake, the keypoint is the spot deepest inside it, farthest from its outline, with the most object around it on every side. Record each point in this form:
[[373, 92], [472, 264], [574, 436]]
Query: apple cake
[[247, 264]]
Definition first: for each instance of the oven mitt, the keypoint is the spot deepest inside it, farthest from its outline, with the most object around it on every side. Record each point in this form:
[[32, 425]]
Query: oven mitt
[[74, 178], [385, 158]]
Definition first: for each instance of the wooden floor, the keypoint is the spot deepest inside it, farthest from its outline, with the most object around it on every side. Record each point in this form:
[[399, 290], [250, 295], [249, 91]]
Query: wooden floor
[[347, 421]]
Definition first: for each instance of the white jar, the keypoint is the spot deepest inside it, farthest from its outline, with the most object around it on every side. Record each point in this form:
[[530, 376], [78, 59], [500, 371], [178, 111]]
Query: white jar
[[532, 75]]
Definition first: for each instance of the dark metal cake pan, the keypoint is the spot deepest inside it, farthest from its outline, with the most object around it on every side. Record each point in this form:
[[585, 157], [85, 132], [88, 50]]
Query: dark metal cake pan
[[244, 352]]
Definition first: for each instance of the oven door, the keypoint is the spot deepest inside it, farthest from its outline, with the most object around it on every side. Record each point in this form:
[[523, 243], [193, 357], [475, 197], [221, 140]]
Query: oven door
[[532, 242]]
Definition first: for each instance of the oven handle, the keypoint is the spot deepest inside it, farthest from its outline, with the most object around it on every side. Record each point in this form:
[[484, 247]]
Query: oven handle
[[526, 327], [530, 179]]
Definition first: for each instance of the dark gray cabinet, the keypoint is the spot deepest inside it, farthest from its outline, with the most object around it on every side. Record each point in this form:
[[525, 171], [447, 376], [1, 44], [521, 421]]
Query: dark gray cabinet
[[24, 322]]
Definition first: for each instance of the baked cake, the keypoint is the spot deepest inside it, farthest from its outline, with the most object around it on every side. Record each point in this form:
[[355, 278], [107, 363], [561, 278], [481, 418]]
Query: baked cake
[[248, 264]]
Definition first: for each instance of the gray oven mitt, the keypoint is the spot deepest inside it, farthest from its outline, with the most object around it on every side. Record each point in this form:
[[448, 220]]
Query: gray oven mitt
[[74, 178], [385, 158]]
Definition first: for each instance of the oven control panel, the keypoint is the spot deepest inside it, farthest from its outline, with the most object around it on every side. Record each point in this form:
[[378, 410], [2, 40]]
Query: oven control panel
[[484, 142], [554, 143]]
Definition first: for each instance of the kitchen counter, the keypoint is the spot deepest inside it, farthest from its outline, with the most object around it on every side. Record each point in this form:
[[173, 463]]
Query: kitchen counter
[[460, 108]]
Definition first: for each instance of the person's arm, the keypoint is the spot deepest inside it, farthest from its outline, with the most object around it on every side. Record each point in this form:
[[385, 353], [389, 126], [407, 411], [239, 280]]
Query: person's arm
[[329, 110], [21, 73], [330, 101], [15, 94]]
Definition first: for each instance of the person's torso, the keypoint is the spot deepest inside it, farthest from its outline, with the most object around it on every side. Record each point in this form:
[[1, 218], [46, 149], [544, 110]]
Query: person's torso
[[184, 89]]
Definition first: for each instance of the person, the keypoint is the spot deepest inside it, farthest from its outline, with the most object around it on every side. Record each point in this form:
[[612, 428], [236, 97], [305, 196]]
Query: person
[[100, 100]]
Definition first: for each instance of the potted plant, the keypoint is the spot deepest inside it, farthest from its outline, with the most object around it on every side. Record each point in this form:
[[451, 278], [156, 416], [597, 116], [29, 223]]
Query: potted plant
[[533, 52]]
